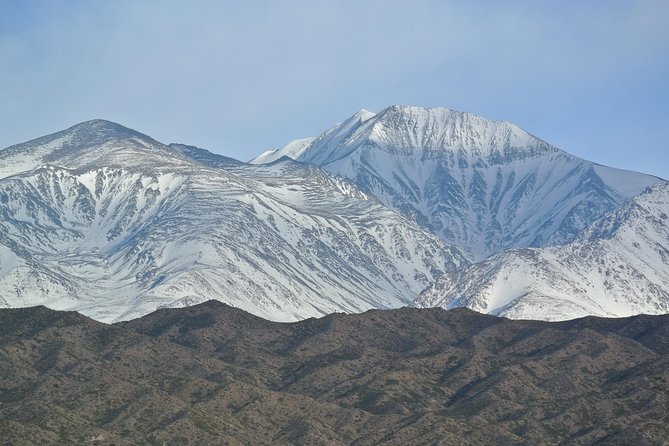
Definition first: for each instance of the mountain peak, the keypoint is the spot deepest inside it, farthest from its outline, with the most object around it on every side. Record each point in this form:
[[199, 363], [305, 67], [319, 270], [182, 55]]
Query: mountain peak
[[98, 123], [444, 114], [440, 130], [99, 130], [86, 143], [364, 115], [412, 131]]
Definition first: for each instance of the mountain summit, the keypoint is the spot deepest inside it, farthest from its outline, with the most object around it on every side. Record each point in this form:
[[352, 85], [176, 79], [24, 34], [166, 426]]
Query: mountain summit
[[88, 145], [483, 185], [429, 132], [405, 130]]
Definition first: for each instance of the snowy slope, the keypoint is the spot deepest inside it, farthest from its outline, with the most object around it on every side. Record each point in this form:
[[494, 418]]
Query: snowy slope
[[483, 185], [106, 221], [619, 266], [294, 149]]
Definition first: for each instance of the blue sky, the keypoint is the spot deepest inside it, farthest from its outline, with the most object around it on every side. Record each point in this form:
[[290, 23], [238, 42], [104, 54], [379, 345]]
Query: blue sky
[[237, 78]]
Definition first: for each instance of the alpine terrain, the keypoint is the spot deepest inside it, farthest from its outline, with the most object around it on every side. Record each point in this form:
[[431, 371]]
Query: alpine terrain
[[485, 186], [422, 205], [619, 266], [109, 222]]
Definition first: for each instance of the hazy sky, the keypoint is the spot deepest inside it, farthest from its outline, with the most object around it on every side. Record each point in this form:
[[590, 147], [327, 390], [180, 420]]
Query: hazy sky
[[237, 78]]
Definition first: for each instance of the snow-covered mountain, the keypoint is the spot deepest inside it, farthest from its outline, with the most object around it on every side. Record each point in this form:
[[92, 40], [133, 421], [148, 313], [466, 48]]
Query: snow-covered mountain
[[106, 221], [483, 185], [109, 222], [619, 266]]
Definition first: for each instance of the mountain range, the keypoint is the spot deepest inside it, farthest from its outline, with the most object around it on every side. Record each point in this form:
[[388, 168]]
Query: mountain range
[[422, 206], [212, 374]]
